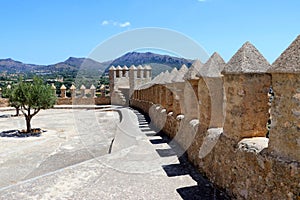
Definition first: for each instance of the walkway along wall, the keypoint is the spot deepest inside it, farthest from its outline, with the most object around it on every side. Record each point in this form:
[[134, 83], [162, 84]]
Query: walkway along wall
[[222, 126]]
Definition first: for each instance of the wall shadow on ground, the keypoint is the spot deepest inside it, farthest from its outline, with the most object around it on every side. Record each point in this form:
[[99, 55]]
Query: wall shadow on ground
[[204, 189]]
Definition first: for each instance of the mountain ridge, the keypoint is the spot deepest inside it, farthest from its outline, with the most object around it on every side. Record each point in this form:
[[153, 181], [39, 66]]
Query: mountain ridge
[[158, 62]]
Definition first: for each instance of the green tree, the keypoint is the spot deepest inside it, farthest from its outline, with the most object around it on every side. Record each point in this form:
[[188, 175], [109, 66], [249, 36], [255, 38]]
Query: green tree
[[32, 97], [11, 95]]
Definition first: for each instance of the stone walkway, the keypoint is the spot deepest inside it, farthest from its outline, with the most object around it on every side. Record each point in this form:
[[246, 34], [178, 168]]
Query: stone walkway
[[141, 164]]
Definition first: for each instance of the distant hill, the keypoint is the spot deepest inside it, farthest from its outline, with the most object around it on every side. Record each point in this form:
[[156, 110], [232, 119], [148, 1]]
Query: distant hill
[[71, 64], [13, 66], [87, 66], [158, 62]]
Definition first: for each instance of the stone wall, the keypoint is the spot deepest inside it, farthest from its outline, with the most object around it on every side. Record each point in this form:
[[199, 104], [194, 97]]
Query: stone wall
[[81, 97], [245, 175], [83, 101], [124, 80], [222, 126], [4, 102], [285, 131]]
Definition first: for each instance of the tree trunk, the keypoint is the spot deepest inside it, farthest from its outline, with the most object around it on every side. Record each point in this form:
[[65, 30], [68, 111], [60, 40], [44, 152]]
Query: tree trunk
[[17, 111], [28, 125]]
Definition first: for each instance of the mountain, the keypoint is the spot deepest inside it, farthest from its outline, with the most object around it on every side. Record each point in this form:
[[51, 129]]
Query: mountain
[[76, 64], [159, 63], [71, 64], [12, 66], [88, 67]]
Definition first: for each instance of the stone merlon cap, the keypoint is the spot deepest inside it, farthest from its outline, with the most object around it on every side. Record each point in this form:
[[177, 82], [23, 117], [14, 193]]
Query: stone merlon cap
[[112, 68], [247, 60], [125, 67], [63, 87], [289, 60], [132, 67], [119, 67], [156, 78], [73, 87], [92, 87], [213, 67], [52, 86], [181, 72], [82, 87], [148, 67], [165, 78], [140, 67], [174, 71], [193, 70]]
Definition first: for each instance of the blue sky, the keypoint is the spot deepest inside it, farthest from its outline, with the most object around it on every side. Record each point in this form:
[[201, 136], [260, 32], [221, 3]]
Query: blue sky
[[46, 32]]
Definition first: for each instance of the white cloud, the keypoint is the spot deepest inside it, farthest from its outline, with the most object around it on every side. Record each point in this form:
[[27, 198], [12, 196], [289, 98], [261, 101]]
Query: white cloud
[[123, 25], [115, 23], [105, 22]]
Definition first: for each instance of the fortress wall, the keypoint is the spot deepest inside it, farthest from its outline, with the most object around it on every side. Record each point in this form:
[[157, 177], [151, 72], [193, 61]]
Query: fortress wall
[[285, 130], [4, 102], [246, 105], [83, 101], [272, 173]]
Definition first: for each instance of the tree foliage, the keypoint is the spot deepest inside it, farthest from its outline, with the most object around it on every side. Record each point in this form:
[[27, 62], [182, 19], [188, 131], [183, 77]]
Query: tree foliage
[[11, 95], [32, 97]]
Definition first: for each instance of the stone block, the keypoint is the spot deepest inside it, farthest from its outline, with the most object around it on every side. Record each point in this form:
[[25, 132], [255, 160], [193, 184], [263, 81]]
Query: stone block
[[246, 105], [285, 127]]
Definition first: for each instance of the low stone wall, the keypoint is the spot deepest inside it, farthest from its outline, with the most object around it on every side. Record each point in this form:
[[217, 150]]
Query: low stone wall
[[83, 101], [4, 102], [71, 101]]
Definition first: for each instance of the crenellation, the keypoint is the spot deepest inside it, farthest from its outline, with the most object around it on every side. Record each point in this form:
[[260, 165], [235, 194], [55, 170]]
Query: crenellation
[[219, 116], [63, 90]]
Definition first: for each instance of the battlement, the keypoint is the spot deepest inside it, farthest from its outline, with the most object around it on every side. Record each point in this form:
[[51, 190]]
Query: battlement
[[124, 80], [220, 113]]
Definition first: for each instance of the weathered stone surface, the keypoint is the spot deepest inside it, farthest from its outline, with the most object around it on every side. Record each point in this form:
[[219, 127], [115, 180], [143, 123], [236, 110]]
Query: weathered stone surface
[[230, 145], [179, 76], [193, 71], [4, 102], [289, 60], [247, 60], [284, 133], [213, 67], [246, 105], [83, 101], [191, 101]]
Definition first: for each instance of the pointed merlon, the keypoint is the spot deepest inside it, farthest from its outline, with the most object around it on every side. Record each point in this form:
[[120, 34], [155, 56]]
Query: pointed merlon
[[52, 87], [73, 87], [181, 72], [140, 67], [165, 77], [289, 60], [93, 87], [63, 87], [156, 80], [247, 60], [119, 67], [112, 68], [213, 67], [132, 67], [148, 67], [193, 71], [82, 87], [125, 67]]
